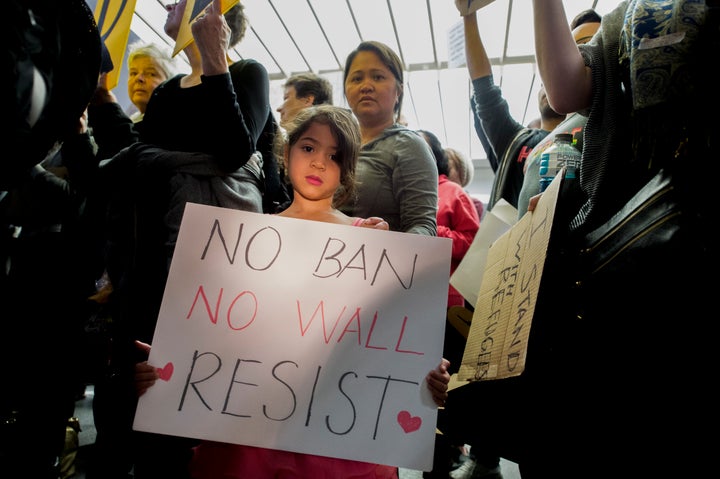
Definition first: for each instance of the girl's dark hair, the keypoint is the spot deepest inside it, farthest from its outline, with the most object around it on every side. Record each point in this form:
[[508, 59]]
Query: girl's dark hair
[[441, 159], [346, 131], [389, 58]]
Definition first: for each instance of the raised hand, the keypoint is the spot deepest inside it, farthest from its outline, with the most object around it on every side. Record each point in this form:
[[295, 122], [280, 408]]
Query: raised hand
[[212, 36], [102, 93]]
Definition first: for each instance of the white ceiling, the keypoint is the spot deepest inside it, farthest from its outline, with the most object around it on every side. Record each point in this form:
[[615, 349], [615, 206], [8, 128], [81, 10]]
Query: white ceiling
[[292, 36]]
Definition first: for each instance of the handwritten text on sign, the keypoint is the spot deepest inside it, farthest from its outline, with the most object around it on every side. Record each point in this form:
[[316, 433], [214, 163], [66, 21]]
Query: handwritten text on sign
[[301, 336], [498, 339]]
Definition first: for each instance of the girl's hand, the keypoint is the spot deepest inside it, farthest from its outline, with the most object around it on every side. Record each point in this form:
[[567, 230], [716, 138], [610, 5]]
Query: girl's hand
[[145, 376], [437, 381], [375, 223], [145, 373]]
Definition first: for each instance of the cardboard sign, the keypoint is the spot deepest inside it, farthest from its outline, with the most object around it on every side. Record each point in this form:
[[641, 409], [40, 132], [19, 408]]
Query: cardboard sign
[[497, 342], [301, 336]]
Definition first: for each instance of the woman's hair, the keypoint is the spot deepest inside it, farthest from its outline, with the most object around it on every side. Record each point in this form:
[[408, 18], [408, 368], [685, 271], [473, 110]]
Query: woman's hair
[[463, 166], [346, 131], [237, 21], [438, 152], [163, 59], [389, 58]]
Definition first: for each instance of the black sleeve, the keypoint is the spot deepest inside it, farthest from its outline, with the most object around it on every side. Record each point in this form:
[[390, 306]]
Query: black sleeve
[[240, 111], [276, 196], [63, 43], [112, 129], [489, 152]]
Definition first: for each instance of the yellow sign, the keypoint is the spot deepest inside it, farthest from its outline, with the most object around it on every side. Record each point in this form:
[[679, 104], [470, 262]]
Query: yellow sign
[[194, 9], [113, 18], [467, 7]]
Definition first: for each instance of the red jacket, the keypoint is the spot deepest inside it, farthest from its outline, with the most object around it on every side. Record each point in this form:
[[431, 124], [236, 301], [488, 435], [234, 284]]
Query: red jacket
[[457, 219]]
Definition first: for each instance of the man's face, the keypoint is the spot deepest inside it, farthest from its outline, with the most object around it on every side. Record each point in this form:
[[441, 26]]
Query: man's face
[[291, 105]]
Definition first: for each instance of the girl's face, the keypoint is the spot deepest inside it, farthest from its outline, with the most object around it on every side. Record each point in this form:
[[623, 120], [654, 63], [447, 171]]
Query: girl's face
[[313, 171], [371, 89]]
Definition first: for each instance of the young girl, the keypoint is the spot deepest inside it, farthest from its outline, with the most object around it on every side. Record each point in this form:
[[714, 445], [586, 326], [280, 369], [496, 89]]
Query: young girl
[[319, 152]]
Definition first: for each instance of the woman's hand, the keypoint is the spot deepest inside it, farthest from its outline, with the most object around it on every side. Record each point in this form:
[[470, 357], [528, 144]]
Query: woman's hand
[[102, 93], [212, 36], [437, 381]]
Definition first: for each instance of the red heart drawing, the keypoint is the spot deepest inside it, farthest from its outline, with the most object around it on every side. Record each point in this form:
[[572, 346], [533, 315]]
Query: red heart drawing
[[407, 422], [166, 372]]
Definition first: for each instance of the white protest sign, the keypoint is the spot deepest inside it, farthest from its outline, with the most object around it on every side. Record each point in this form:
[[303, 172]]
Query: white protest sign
[[301, 336], [456, 33], [466, 7], [467, 277], [456, 45]]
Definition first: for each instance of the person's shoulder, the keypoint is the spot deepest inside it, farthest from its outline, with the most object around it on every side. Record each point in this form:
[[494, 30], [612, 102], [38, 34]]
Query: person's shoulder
[[532, 136], [408, 140], [247, 64], [171, 83], [244, 62], [405, 134], [398, 134], [450, 186]]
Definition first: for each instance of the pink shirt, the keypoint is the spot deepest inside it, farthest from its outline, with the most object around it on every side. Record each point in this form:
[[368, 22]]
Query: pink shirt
[[213, 460]]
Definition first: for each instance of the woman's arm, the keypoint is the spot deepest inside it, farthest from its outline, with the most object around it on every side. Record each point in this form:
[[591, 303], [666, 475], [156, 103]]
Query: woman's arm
[[566, 78], [476, 57], [415, 185]]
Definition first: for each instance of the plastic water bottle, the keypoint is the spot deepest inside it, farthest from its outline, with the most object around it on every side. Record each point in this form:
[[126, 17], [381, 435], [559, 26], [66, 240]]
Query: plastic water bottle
[[560, 154], [546, 172], [571, 156]]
